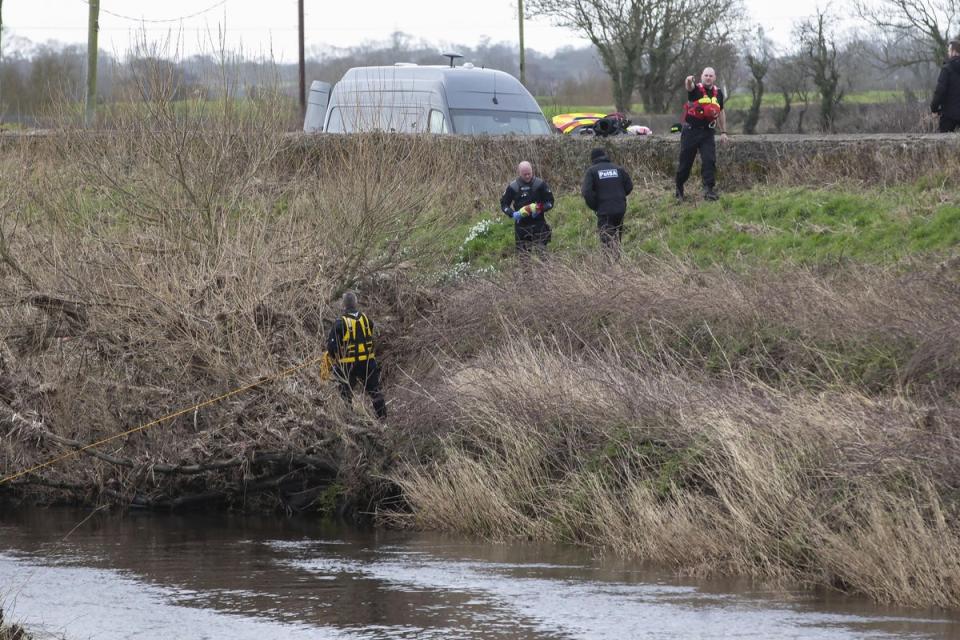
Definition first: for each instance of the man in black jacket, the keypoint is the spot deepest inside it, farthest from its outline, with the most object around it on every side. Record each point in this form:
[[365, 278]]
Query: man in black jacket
[[946, 97], [605, 189], [350, 345], [702, 116], [526, 200]]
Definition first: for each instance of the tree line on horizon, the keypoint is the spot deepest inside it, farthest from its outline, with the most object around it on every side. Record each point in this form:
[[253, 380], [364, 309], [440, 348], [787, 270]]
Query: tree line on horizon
[[641, 50]]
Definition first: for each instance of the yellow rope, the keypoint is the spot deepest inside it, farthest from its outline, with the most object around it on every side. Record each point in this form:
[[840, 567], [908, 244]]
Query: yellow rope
[[206, 403]]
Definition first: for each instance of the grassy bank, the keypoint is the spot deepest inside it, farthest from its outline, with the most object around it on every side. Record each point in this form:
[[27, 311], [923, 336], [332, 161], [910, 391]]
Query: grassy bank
[[759, 227], [765, 385]]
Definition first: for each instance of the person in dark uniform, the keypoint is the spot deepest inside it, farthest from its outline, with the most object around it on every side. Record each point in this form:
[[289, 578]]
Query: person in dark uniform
[[702, 117], [605, 189], [946, 97], [350, 345], [526, 200]]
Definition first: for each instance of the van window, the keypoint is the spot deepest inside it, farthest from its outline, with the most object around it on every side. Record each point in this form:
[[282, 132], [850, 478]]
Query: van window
[[438, 124], [479, 121], [377, 118]]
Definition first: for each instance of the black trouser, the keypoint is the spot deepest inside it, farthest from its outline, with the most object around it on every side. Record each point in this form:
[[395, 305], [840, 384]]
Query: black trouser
[[368, 374], [610, 228], [533, 235], [948, 124], [693, 139]]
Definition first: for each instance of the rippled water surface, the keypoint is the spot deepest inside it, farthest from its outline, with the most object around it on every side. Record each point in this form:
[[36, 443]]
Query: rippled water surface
[[201, 576]]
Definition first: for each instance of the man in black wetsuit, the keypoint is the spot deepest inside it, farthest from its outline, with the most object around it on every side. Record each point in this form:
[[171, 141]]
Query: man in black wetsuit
[[526, 200]]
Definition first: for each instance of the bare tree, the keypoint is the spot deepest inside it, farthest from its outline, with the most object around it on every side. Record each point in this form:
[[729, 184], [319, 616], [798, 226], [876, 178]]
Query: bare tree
[[644, 44], [803, 95], [819, 54], [791, 80], [759, 58], [917, 31], [617, 28], [692, 35]]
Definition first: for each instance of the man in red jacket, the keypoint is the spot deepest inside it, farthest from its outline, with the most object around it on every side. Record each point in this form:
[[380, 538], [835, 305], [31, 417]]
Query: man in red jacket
[[702, 117]]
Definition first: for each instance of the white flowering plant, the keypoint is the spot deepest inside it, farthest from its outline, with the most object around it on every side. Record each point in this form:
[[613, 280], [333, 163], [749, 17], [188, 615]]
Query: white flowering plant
[[487, 237]]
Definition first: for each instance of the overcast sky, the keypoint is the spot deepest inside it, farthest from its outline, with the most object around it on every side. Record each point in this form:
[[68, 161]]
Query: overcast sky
[[261, 27]]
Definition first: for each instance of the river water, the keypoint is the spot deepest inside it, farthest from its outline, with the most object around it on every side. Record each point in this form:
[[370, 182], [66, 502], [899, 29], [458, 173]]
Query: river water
[[65, 573]]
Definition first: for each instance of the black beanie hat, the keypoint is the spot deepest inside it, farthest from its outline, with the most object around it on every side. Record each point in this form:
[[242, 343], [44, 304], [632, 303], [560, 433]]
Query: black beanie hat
[[597, 153]]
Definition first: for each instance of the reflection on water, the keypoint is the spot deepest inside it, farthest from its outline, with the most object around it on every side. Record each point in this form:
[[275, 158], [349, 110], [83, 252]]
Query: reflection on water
[[162, 576]]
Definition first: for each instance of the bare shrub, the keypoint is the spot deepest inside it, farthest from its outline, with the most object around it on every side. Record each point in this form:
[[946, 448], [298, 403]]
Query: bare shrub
[[172, 257]]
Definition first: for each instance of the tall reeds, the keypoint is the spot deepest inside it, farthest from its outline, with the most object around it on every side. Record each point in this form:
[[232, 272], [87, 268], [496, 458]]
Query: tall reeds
[[712, 421]]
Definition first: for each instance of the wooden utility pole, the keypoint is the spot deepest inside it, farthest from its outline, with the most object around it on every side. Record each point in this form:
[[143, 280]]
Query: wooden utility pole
[[92, 28], [523, 64], [303, 71]]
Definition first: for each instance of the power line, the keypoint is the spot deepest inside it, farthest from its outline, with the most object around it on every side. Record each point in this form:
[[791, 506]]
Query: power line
[[158, 20], [184, 29]]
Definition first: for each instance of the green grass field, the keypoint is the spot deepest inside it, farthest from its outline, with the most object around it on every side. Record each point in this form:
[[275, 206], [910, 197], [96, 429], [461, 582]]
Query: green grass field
[[737, 101], [742, 100], [761, 226]]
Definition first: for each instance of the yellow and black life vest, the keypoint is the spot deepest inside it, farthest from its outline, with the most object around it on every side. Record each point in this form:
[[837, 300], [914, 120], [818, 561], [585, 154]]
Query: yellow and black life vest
[[356, 344]]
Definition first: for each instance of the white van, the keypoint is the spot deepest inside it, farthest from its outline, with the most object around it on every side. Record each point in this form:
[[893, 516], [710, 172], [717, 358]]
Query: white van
[[411, 98]]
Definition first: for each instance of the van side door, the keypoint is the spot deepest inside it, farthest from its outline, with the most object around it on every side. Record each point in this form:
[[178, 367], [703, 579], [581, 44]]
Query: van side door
[[316, 106]]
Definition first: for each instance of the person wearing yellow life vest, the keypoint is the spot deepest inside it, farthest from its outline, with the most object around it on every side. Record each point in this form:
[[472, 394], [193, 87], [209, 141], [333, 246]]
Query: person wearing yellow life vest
[[350, 345], [703, 115]]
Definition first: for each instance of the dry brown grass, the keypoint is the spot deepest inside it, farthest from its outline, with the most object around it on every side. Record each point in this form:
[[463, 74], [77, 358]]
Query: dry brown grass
[[878, 328], [707, 475], [11, 631], [576, 410], [468, 173]]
